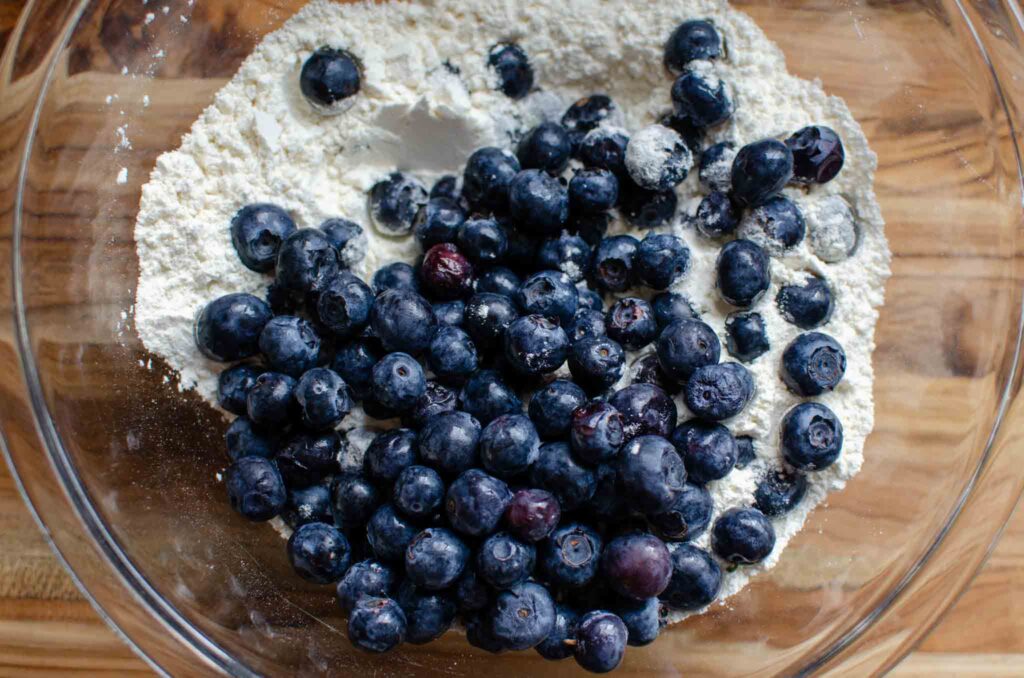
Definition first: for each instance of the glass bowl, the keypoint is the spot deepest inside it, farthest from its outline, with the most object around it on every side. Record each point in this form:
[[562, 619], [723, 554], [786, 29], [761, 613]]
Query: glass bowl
[[120, 468]]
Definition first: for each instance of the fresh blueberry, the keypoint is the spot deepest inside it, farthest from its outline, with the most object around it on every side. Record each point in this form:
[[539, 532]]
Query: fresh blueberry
[[605, 148], [343, 306], [483, 239], [812, 436], [692, 40], [701, 96], [427, 614], [746, 336], [509, 445], [452, 355], [390, 453], [669, 307], [661, 260], [696, 579], [760, 170], [479, 633], [614, 263], [818, 154], [552, 406], [290, 344], [567, 253], [475, 502], [522, 616], [323, 397], [646, 410], [485, 395], [593, 190], [437, 222], [450, 313], [243, 439], [307, 459], [489, 173], [596, 363], [716, 166], [285, 302], [487, 317], [587, 324], [647, 370], [718, 392], [308, 505], [571, 555], [271, 400], [436, 400], [515, 75], [545, 147], [522, 247], [319, 553], [498, 280], [257, 232], [778, 491], [743, 273], [608, 503], [394, 202], [376, 410], [347, 238], [643, 621], [435, 558], [591, 227], [389, 533], [647, 209], [590, 301], [448, 442], [365, 579], [403, 321], [329, 79], [560, 474], [255, 488], [354, 363], [306, 261], [600, 641], [354, 499], [233, 386], [693, 136], [587, 113], [397, 275], [716, 215], [651, 473], [554, 646], [657, 158], [471, 593], [446, 273], [597, 432], [538, 202], [398, 381], [229, 327], [549, 293], [503, 561], [812, 364], [708, 450], [534, 344], [376, 625], [532, 514], [418, 492], [688, 517], [743, 536], [777, 225], [746, 454], [630, 321], [807, 306]]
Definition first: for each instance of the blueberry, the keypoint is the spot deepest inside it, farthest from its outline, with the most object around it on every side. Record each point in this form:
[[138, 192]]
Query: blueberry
[[708, 450], [343, 306], [438, 222], [818, 154], [608, 502], [257, 232], [746, 452], [427, 614], [647, 209], [630, 321], [590, 300], [593, 190], [452, 355], [436, 400], [229, 327], [323, 397], [448, 442], [487, 317], [450, 313], [319, 553], [567, 253], [549, 293], [354, 363], [418, 492], [614, 263], [587, 113], [535, 345], [597, 432], [554, 646], [397, 275], [777, 225], [475, 502], [647, 370], [743, 273], [760, 170], [596, 363], [290, 344], [812, 436], [693, 136], [306, 261], [701, 96], [483, 240], [376, 625], [552, 406], [389, 533], [285, 302], [605, 148], [560, 474], [657, 158], [807, 306], [522, 616], [571, 555], [686, 345], [545, 147], [306, 459], [471, 593], [446, 273], [347, 238], [509, 445], [486, 396], [688, 517], [643, 621], [515, 75], [716, 167], [233, 386], [271, 400], [587, 324], [489, 173], [329, 79], [243, 439], [504, 561], [778, 491], [354, 499], [696, 579], [538, 202], [746, 336], [255, 488], [398, 381], [435, 558], [591, 227], [669, 307], [394, 203], [743, 536], [390, 453], [646, 410], [692, 40], [522, 247], [365, 579], [600, 641], [403, 321], [498, 280], [812, 364], [651, 473], [532, 514], [661, 260], [308, 505], [718, 392], [716, 215], [479, 633]]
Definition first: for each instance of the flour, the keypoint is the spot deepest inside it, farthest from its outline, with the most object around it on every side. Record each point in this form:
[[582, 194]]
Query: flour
[[261, 141]]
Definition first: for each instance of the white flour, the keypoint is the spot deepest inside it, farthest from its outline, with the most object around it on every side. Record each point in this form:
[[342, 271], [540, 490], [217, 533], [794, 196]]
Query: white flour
[[261, 141]]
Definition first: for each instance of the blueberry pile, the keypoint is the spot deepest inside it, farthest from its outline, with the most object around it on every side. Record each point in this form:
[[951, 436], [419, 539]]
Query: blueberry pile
[[550, 513]]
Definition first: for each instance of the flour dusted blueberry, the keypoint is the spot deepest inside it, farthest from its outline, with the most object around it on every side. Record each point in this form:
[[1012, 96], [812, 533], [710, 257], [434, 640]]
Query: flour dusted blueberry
[[418, 492], [777, 225], [437, 222], [597, 432], [488, 175], [255, 488], [343, 305], [428, 614], [509, 445], [446, 273], [538, 202], [593, 190], [257, 232], [630, 321], [229, 327], [549, 293], [354, 499], [483, 240], [397, 275], [588, 113], [567, 253], [661, 260], [512, 66], [596, 363], [686, 345], [487, 317], [760, 170], [605, 148], [692, 40], [696, 579], [646, 209], [807, 306], [558, 472], [323, 397], [376, 625], [708, 450], [571, 556], [642, 621], [398, 381], [554, 646], [812, 436], [306, 261], [535, 344], [354, 361], [452, 355], [394, 203], [818, 154], [403, 321], [614, 263], [486, 395], [546, 147], [450, 313], [600, 641], [700, 95], [522, 616], [329, 79], [348, 239], [307, 458], [747, 452], [716, 215], [688, 516], [365, 579], [552, 406], [651, 473], [657, 158], [389, 533], [319, 553], [718, 392], [308, 505], [475, 502], [646, 409], [503, 561], [271, 400], [832, 228], [448, 442], [716, 166], [498, 280], [743, 536], [743, 273], [812, 364], [233, 386], [244, 439], [669, 307], [746, 336], [778, 491]]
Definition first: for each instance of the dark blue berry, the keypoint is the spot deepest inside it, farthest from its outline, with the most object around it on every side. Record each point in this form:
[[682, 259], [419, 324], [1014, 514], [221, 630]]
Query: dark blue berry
[[343, 306], [746, 336], [651, 473], [435, 558], [696, 579], [743, 536], [290, 344], [437, 399], [692, 135], [778, 491], [427, 614], [534, 344], [485, 395], [587, 324], [418, 492], [538, 202], [448, 442], [328, 77], [647, 209], [479, 633], [307, 459], [591, 227], [702, 97], [487, 317], [747, 453], [571, 555], [376, 625], [669, 307], [554, 646], [643, 621], [306, 261], [560, 474], [255, 488], [630, 321], [522, 247], [818, 154], [398, 381], [319, 553], [397, 275], [661, 260], [450, 313], [498, 280], [489, 173], [389, 534], [552, 406], [354, 499], [708, 450], [285, 302], [716, 215], [777, 225], [354, 363], [812, 364], [509, 445], [438, 221], [600, 641], [475, 502], [812, 436], [716, 166], [515, 75], [522, 616], [760, 170], [271, 400], [390, 453], [688, 517], [604, 148], [323, 397], [403, 321], [470, 591], [567, 253], [257, 232], [545, 147], [658, 158], [348, 239], [308, 505], [365, 579], [593, 190], [503, 561], [483, 240], [549, 293], [692, 40], [233, 386], [597, 432], [647, 370], [718, 392], [608, 503], [243, 439], [587, 113], [646, 410], [446, 273], [452, 355], [229, 327], [613, 267], [807, 306], [596, 363], [743, 273], [394, 203], [532, 514]]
